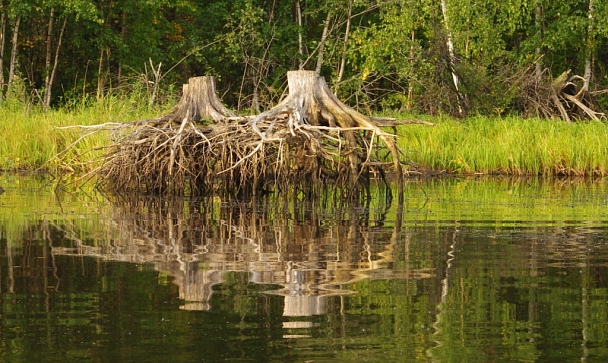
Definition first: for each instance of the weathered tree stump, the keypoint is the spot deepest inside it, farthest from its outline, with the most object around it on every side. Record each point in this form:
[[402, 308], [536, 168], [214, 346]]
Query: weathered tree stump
[[309, 140], [312, 108], [168, 152], [199, 101]]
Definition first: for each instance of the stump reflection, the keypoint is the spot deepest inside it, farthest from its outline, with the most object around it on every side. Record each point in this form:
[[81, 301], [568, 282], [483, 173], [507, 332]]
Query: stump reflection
[[304, 251]]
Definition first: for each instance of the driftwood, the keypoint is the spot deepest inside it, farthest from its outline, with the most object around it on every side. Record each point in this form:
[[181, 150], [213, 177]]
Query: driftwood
[[307, 141], [565, 97]]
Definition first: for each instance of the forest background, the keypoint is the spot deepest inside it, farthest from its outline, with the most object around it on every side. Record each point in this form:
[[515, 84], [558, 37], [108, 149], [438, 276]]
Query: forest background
[[488, 73], [457, 57]]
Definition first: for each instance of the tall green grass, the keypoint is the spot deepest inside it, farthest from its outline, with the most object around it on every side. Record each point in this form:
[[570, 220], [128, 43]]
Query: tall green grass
[[31, 138], [511, 145]]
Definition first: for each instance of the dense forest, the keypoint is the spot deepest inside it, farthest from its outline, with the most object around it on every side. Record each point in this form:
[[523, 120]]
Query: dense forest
[[459, 57]]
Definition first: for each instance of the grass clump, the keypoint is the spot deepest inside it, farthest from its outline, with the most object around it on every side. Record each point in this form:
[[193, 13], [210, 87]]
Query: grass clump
[[33, 139], [508, 146]]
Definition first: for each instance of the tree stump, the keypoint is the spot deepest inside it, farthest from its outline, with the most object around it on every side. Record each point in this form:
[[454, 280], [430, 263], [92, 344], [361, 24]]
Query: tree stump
[[166, 153], [199, 101], [309, 140], [312, 108]]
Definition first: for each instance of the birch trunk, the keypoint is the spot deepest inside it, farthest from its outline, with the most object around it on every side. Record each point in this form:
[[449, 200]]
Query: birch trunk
[[345, 47], [47, 57], [410, 87], [13, 63], [450, 45], [538, 14], [300, 40], [590, 46], [47, 95], [2, 44], [322, 44]]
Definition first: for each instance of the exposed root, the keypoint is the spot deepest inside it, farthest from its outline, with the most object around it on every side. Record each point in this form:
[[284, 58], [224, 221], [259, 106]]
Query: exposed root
[[565, 97], [309, 139]]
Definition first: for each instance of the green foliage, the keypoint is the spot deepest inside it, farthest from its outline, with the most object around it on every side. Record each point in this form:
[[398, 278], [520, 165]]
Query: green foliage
[[396, 51]]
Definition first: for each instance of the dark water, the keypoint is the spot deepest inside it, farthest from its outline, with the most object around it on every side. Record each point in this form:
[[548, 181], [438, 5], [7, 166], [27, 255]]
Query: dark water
[[465, 270]]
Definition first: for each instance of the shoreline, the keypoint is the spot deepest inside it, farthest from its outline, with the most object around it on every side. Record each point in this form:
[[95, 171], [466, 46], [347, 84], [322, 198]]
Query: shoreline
[[502, 146]]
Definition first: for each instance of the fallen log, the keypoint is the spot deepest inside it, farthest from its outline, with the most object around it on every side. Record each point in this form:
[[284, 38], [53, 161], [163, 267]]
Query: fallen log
[[566, 97]]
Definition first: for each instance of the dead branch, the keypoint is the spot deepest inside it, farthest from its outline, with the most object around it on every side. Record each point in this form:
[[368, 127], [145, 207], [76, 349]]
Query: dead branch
[[564, 97]]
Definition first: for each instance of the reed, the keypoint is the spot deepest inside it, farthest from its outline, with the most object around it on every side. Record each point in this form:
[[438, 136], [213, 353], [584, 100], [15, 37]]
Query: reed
[[508, 146]]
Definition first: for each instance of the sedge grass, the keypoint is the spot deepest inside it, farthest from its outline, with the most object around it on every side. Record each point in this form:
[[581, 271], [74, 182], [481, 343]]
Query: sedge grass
[[32, 138], [508, 146]]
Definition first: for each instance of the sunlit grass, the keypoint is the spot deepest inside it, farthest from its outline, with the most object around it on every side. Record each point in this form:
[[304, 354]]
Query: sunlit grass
[[33, 139], [510, 145]]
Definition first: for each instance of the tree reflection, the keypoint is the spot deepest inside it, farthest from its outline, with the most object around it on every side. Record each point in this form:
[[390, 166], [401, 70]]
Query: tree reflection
[[483, 271]]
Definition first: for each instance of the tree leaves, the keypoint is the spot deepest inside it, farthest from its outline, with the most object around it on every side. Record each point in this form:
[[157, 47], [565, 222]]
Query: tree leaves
[[394, 46]]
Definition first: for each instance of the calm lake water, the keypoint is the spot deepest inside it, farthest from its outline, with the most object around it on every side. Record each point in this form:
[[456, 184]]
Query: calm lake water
[[465, 270]]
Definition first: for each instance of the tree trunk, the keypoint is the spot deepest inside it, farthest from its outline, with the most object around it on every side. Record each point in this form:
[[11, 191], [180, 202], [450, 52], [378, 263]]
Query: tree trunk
[[51, 78], [538, 14], [164, 153], [410, 85], [590, 46], [13, 63], [47, 58], [2, 44], [300, 41], [156, 83], [100, 77], [200, 101], [322, 43], [123, 39], [312, 104], [452, 56], [344, 47]]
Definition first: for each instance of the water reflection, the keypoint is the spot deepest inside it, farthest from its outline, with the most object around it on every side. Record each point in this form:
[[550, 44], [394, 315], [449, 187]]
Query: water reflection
[[469, 271], [287, 243]]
